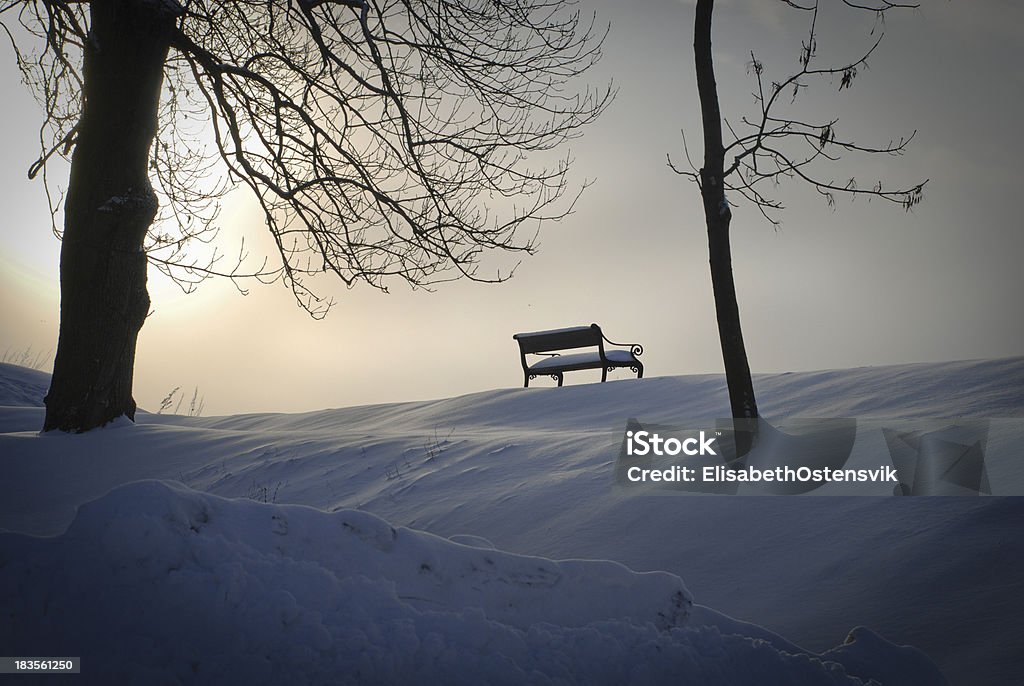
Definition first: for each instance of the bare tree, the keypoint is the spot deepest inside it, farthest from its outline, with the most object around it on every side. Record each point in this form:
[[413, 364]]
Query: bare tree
[[771, 146], [384, 140]]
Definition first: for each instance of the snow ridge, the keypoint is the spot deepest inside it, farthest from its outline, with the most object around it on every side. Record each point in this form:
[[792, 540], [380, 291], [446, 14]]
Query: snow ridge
[[157, 583]]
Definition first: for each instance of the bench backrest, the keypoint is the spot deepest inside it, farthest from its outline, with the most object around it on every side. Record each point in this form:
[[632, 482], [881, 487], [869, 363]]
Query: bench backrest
[[560, 339]]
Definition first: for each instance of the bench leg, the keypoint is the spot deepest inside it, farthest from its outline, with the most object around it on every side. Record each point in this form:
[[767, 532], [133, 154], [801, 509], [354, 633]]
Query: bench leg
[[559, 379], [526, 380], [604, 374], [639, 370]]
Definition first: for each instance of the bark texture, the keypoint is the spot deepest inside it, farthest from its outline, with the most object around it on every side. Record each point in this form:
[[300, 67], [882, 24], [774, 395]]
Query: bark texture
[[110, 206]]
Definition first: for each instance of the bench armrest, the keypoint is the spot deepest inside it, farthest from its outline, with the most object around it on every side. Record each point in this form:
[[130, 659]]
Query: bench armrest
[[635, 348]]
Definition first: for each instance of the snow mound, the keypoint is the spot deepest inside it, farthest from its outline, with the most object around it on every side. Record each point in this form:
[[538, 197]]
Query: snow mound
[[157, 583], [905, 664], [528, 471], [21, 386]]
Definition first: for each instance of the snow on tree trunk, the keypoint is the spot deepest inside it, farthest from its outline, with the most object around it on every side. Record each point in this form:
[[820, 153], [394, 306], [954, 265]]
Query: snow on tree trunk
[[109, 208]]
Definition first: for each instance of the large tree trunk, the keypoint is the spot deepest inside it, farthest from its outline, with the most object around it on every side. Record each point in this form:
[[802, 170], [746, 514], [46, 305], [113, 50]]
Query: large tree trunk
[[109, 208], [718, 218]]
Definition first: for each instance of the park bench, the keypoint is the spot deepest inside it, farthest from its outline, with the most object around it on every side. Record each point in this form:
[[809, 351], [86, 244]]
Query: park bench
[[543, 343]]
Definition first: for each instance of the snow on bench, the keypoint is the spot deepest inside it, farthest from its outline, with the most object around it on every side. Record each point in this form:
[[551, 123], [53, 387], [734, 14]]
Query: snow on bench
[[555, 364]]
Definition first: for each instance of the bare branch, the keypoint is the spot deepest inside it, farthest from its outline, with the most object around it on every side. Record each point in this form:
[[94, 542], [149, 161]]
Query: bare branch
[[775, 145], [382, 139]]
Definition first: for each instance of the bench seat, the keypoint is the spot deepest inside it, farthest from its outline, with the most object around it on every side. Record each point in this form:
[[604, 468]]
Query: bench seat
[[591, 360]]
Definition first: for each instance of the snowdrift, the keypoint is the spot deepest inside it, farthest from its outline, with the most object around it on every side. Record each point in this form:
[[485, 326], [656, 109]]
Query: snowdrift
[[291, 579], [157, 583]]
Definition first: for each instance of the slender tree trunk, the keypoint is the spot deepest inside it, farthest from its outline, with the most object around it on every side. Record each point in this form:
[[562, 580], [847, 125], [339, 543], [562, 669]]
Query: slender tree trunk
[[110, 206], [718, 217]]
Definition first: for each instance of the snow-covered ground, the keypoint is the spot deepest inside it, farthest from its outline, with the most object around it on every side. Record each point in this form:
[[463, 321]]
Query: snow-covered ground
[[443, 542]]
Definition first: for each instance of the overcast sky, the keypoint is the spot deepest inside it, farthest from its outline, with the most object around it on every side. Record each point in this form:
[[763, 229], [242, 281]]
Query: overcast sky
[[866, 284]]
